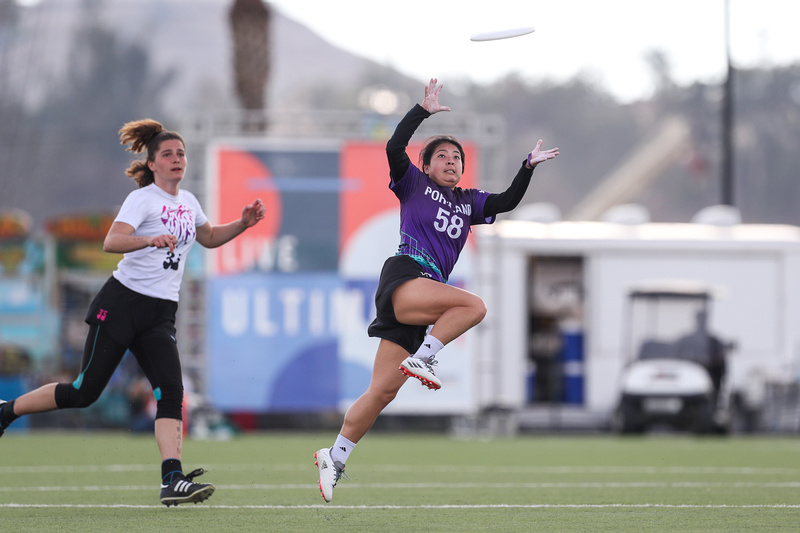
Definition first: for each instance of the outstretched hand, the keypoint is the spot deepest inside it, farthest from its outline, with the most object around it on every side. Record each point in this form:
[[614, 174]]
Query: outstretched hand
[[537, 155], [431, 102], [251, 214]]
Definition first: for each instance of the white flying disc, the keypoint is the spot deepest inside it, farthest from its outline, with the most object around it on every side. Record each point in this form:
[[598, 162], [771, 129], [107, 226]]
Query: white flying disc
[[501, 34]]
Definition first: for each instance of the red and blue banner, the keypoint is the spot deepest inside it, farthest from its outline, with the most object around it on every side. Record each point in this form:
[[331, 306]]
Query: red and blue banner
[[289, 300]]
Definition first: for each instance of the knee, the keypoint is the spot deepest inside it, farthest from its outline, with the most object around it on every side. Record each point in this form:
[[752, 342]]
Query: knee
[[169, 403], [67, 396], [478, 310], [382, 397], [386, 397], [84, 400]]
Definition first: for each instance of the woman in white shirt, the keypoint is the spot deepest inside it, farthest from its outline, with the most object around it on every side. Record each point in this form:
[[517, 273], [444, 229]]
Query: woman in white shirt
[[135, 310]]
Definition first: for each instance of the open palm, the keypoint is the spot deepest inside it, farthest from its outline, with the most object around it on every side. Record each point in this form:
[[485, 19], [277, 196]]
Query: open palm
[[431, 102], [538, 155]]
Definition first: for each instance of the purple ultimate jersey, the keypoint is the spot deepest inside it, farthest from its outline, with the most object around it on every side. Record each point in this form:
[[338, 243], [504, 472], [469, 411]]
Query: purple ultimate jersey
[[435, 220]]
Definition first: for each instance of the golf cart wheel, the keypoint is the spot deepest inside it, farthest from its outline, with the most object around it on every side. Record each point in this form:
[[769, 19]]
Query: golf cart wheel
[[628, 419], [703, 419]]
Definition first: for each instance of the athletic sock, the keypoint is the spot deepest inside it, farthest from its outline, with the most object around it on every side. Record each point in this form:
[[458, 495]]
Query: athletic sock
[[169, 469], [430, 346], [7, 414], [341, 449]]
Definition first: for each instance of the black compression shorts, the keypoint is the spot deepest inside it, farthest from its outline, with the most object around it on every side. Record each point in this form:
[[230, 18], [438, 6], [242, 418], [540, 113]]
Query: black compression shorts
[[127, 314], [396, 270], [120, 319]]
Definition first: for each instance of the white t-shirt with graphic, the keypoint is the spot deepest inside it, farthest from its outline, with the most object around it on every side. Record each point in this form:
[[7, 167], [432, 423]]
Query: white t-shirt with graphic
[[152, 271]]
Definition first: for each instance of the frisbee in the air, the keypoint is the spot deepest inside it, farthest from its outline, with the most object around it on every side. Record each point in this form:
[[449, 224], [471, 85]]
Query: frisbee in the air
[[501, 34]]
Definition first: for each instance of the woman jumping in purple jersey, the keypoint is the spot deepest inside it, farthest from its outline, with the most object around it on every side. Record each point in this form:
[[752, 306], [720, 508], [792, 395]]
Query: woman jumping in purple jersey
[[435, 219]]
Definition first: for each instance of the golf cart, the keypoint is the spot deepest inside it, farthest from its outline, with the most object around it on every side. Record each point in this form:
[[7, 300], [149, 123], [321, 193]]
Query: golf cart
[[676, 369]]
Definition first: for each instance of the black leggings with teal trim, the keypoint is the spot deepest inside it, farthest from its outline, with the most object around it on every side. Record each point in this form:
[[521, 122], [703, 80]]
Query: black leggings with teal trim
[[157, 355]]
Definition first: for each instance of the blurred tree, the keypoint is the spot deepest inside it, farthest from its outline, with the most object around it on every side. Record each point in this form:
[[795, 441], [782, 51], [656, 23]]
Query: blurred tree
[[250, 23], [65, 156], [9, 16], [766, 139], [10, 109], [577, 117], [74, 161], [661, 70]]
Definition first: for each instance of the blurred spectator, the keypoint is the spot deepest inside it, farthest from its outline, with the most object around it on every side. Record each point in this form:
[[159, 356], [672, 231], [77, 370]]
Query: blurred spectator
[[142, 402]]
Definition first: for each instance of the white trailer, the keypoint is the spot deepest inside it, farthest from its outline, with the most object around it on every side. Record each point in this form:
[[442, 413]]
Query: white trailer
[[547, 282]]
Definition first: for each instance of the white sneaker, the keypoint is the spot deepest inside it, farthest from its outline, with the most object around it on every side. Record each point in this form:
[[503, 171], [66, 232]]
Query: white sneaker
[[330, 472], [422, 370]]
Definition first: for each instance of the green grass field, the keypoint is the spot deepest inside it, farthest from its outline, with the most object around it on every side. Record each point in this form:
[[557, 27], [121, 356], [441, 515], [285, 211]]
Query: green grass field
[[86, 481]]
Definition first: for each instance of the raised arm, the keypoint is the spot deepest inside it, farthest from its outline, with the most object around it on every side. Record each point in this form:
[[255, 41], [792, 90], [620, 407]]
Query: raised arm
[[213, 236], [511, 197], [396, 147]]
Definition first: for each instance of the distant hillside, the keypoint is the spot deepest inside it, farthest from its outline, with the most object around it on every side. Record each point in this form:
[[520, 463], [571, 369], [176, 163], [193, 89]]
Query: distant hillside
[[81, 69], [73, 71], [192, 44]]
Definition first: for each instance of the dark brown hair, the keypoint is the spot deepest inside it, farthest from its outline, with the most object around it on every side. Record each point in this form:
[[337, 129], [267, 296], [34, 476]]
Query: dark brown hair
[[146, 134]]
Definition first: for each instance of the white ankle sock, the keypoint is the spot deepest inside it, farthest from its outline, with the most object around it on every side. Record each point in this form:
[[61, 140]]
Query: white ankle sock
[[341, 449], [430, 346]]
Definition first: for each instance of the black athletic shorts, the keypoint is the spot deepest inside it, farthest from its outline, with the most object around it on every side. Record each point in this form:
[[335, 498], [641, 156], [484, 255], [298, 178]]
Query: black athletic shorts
[[126, 314], [396, 270]]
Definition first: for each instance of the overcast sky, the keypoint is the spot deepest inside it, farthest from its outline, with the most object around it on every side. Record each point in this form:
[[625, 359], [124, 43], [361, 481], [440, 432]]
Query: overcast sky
[[606, 40]]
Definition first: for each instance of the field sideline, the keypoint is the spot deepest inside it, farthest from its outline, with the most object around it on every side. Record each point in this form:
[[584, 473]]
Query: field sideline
[[86, 481]]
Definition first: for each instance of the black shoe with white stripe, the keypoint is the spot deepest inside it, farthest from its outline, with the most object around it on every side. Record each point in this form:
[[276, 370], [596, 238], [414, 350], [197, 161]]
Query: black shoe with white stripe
[[2, 426], [182, 490]]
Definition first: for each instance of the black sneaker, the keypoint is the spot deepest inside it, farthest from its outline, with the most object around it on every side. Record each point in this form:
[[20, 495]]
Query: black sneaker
[[182, 490], [2, 426]]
